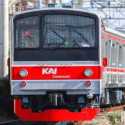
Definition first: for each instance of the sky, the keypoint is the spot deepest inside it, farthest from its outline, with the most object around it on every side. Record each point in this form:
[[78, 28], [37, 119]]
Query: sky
[[66, 0]]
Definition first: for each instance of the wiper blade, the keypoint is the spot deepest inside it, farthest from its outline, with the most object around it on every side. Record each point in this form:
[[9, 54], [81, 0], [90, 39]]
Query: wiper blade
[[58, 35], [83, 37]]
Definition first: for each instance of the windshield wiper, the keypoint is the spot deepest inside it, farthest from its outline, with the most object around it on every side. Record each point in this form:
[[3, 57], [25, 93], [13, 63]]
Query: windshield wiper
[[57, 34], [80, 34]]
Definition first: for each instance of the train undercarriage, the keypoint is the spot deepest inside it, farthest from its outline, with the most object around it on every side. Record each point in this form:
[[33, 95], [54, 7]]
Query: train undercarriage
[[115, 96], [62, 101], [54, 100]]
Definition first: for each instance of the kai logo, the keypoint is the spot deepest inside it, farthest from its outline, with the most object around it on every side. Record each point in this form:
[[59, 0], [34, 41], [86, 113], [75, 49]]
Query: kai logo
[[49, 71]]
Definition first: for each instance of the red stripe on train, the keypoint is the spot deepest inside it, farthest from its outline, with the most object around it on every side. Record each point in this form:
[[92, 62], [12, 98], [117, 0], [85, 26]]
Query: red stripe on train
[[108, 69], [55, 72]]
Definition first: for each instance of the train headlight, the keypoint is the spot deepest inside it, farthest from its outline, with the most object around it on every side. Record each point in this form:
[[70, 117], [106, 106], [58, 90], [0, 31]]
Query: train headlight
[[23, 73], [88, 72]]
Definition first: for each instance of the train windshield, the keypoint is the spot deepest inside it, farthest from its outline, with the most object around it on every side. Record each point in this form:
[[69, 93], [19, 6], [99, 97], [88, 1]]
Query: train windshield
[[64, 31], [58, 36]]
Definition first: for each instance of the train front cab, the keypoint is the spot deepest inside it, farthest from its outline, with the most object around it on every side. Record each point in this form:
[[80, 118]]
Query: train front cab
[[55, 65]]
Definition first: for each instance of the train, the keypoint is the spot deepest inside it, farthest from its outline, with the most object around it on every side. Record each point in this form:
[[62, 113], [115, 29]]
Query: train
[[64, 65]]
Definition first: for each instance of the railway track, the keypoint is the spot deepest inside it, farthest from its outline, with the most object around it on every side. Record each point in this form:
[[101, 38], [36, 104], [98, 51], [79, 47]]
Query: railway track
[[113, 108], [11, 122], [19, 122]]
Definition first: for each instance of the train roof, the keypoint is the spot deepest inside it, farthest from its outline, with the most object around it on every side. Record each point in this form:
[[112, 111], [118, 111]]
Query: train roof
[[72, 9], [56, 9], [115, 32]]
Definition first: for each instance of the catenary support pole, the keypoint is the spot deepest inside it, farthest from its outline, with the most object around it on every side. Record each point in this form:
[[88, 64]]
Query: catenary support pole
[[4, 37]]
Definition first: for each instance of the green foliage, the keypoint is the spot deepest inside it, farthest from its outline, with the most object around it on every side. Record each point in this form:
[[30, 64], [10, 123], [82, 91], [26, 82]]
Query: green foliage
[[114, 118]]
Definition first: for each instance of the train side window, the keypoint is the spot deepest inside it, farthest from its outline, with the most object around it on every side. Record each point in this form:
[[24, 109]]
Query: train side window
[[122, 56], [114, 53], [107, 51]]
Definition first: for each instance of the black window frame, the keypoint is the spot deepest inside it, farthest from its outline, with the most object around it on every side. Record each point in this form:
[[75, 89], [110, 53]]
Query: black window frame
[[15, 27], [96, 43], [41, 15]]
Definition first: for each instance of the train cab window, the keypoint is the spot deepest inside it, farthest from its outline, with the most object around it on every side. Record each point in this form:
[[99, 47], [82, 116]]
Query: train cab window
[[69, 31], [56, 36], [27, 32]]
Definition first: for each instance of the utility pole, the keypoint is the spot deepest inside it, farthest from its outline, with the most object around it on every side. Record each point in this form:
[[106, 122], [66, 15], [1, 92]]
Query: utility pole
[[40, 4], [78, 3], [4, 37]]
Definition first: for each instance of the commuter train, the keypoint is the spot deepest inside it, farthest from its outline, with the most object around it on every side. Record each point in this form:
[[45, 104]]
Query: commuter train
[[64, 65]]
